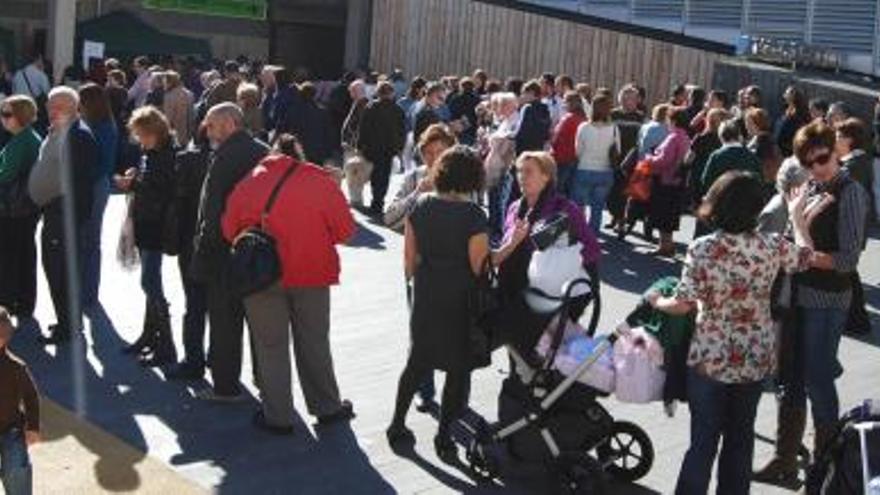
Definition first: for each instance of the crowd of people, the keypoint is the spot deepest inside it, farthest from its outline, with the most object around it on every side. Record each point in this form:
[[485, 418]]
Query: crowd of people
[[204, 156]]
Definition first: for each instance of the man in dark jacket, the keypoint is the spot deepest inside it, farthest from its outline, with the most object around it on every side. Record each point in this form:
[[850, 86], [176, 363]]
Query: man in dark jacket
[[318, 136], [68, 154], [380, 140], [192, 166], [534, 128], [732, 155], [426, 112], [463, 108], [236, 153]]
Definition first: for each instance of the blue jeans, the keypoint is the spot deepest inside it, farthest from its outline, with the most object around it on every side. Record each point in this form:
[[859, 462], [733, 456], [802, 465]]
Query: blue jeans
[[15, 463], [591, 188], [498, 198], [151, 274], [821, 330], [565, 178], [719, 410], [91, 243]]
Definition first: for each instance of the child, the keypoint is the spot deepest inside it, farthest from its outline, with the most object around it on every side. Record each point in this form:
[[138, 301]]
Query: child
[[19, 415]]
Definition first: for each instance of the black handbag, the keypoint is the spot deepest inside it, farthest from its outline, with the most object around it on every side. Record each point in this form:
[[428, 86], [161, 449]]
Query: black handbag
[[485, 302], [254, 264]]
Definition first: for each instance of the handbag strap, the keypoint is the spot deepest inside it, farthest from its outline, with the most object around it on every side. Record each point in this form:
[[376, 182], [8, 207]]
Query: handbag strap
[[274, 195]]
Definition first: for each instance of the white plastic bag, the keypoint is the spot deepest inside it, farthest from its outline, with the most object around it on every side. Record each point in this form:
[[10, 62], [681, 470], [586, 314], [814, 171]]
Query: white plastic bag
[[126, 251], [357, 173], [576, 347], [638, 362], [550, 270]]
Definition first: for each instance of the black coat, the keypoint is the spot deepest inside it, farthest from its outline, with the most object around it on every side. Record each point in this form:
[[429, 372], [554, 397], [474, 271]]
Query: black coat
[[465, 105], [534, 130], [191, 168], [232, 161], [317, 137], [84, 158], [424, 119], [153, 193], [382, 130]]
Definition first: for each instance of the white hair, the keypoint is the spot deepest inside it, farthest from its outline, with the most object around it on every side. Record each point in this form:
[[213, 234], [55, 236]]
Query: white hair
[[227, 110], [64, 92], [500, 100]]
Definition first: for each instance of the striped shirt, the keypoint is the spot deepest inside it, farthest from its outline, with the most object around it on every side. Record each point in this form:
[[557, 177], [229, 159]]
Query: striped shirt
[[851, 225]]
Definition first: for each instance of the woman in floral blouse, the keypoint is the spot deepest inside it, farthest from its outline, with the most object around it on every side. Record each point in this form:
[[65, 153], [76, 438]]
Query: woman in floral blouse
[[727, 278]]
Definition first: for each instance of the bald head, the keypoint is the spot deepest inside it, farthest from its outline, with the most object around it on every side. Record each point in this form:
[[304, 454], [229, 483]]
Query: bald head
[[223, 120]]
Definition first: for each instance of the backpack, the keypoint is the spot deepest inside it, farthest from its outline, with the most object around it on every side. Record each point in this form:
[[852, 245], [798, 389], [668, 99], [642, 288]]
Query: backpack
[[838, 470]]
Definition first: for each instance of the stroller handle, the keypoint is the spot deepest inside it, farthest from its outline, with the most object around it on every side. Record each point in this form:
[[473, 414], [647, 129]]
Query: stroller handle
[[595, 302]]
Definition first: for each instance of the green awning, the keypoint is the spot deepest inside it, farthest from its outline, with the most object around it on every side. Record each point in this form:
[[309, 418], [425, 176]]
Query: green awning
[[126, 35], [7, 47]]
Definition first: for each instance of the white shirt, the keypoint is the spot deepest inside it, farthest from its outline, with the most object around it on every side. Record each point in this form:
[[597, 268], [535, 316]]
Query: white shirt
[[39, 82], [593, 143], [554, 104]]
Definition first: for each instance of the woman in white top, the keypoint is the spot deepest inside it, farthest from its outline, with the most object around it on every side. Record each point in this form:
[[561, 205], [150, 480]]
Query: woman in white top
[[596, 142]]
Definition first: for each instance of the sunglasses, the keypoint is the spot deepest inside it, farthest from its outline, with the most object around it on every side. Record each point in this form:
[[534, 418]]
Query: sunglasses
[[7, 115], [822, 159]]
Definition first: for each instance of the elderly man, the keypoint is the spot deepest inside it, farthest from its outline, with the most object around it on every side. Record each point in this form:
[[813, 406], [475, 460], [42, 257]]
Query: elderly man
[[236, 153], [61, 184], [307, 220], [381, 138]]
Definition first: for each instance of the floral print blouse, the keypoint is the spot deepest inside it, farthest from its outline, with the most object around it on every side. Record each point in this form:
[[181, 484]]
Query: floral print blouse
[[730, 277]]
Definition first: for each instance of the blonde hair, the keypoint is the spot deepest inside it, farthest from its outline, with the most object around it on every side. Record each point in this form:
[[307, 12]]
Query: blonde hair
[[172, 79], [150, 120], [248, 95], [23, 109], [545, 162]]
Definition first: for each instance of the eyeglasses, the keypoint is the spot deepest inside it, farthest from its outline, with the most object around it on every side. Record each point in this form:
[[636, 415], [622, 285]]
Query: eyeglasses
[[822, 159]]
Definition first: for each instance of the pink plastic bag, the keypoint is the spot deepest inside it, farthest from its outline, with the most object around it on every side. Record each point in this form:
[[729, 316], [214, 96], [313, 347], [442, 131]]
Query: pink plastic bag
[[638, 361]]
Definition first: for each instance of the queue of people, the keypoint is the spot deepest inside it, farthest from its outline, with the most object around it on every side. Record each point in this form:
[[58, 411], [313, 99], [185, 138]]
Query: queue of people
[[492, 162]]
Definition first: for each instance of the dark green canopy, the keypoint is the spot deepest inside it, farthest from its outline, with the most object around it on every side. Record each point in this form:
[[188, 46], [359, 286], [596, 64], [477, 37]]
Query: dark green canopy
[[126, 35], [7, 47]]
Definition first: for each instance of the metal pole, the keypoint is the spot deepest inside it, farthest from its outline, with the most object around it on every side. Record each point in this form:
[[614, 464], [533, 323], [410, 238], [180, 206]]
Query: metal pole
[[875, 53]]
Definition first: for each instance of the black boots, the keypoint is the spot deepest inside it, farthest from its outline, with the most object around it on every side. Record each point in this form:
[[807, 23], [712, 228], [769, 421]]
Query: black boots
[[162, 343], [783, 469], [144, 344]]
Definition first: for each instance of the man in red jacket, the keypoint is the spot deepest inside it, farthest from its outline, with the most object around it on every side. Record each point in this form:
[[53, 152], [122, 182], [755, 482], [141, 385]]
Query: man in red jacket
[[309, 218]]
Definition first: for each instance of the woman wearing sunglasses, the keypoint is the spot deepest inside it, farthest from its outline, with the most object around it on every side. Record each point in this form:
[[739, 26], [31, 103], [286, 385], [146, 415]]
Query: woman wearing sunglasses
[[18, 215], [836, 214]]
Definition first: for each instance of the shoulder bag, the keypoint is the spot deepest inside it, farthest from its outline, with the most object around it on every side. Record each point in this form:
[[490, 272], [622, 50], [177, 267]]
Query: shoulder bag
[[254, 264]]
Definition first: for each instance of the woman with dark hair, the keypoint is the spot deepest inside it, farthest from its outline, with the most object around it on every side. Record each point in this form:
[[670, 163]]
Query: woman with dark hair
[[797, 115], [668, 183], [445, 249], [153, 186], [98, 114], [853, 141], [18, 215], [727, 278], [764, 147]]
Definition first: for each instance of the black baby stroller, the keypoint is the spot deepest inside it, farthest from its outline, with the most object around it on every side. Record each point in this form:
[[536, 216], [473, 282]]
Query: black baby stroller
[[547, 417]]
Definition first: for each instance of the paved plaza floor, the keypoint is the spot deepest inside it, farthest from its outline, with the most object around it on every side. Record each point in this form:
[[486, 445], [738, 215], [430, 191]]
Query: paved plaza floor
[[132, 431]]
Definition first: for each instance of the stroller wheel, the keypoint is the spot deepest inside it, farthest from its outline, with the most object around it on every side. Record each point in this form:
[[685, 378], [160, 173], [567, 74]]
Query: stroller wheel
[[483, 461], [628, 453], [577, 473]]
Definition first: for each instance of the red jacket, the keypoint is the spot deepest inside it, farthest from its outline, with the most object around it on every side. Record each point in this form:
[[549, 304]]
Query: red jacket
[[564, 137], [309, 218]]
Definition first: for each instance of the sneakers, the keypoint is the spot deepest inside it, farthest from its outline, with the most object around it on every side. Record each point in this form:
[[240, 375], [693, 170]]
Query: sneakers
[[345, 413]]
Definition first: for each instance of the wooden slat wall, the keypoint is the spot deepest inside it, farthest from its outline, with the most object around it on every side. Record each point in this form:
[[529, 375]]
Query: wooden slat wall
[[440, 37]]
